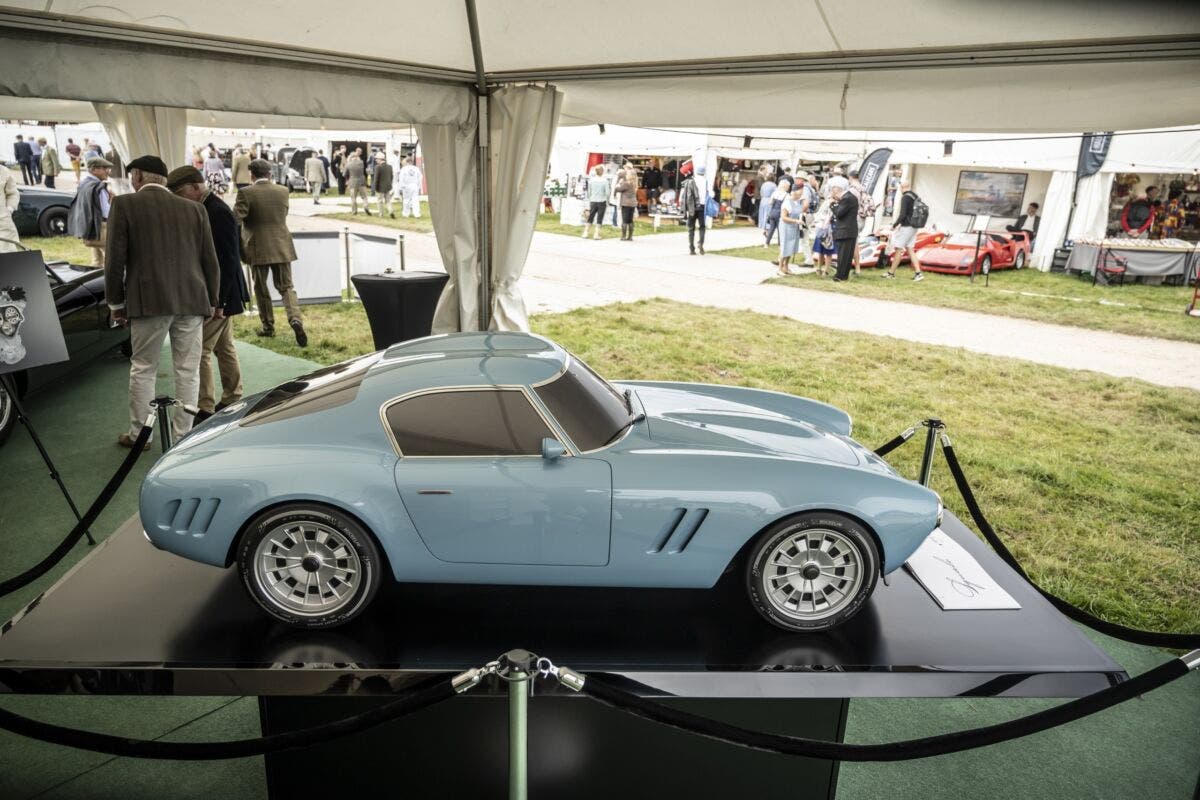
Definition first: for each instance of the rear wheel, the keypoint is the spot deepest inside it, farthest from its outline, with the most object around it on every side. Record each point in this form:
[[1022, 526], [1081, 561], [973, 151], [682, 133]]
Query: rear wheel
[[812, 572], [8, 415], [53, 222], [1019, 261], [309, 566]]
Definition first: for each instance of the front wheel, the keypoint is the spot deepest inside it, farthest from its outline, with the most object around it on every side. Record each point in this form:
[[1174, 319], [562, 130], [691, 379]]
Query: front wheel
[[309, 566], [1019, 261], [812, 572]]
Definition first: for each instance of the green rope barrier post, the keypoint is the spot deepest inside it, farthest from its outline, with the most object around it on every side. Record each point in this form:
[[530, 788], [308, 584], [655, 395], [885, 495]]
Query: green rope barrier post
[[932, 426], [516, 667]]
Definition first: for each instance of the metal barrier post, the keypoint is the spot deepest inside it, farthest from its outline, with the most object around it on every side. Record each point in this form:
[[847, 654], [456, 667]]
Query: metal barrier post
[[346, 258], [163, 404], [516, 667], [932, 426], [400, 250]]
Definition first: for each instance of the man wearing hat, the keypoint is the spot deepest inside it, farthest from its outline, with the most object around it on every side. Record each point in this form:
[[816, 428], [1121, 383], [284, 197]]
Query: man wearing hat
[[89, 213], [188, 183], [383, 185], [162, 277], [262, 208]]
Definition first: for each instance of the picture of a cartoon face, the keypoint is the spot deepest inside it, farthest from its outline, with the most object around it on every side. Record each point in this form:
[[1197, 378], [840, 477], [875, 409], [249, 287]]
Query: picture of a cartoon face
[[10, 320]]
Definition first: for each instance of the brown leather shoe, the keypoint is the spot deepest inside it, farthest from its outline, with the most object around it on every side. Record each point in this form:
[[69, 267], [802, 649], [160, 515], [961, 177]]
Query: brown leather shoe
[[127, 441]]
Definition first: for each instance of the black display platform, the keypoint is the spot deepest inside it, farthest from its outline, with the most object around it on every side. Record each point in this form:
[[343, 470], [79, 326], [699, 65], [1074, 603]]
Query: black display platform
[[132, 619]]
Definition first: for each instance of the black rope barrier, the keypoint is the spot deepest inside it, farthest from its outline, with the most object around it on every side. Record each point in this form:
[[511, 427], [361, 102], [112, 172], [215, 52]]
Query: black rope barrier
[[106, 495], [1174, 641], [96, 742], [958, 741], [892, 444]]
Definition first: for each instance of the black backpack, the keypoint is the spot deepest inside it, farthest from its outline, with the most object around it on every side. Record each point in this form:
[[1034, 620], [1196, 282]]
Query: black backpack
[[920, 213]]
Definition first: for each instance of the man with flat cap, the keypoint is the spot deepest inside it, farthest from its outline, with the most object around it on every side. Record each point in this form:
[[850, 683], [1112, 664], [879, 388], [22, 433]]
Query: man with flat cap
[[188, 183], [262, 208], [88, 214], [161, 276]]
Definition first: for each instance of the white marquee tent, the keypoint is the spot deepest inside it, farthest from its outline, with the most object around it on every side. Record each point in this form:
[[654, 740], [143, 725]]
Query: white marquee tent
[[488, 85]]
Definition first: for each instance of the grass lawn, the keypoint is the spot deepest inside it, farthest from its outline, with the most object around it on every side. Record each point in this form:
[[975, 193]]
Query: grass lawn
[[421, 224], [1091, 478], [59, 248], [1047, 297]]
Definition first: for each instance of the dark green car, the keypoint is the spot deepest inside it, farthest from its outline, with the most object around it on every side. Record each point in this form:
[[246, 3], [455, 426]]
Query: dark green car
[[42, 212]]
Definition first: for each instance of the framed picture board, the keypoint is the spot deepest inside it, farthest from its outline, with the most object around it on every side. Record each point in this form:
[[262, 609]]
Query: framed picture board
[[997, 194]]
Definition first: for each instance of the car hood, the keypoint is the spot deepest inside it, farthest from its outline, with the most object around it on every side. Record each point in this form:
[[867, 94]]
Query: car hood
[[947, 254], [679, 418]]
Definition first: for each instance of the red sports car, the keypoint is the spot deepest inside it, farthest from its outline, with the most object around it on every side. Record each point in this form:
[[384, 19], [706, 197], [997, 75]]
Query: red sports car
[[959, 253], [871, 246]]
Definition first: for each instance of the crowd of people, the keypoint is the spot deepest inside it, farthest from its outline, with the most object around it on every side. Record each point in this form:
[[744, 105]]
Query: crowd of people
[[40, 163], [826, 218]]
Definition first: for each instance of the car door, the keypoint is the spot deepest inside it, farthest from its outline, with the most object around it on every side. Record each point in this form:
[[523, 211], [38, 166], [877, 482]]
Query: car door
[[473, 479]]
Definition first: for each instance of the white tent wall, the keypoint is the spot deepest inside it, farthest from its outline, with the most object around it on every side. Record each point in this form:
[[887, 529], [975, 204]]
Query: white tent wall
[[1091, 207], [452, 177], [521, 124], [146, 131], [1055, 213], [937, 186]]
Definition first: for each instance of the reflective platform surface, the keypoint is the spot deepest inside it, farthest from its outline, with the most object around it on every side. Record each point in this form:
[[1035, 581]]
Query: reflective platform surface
[[130, 619]]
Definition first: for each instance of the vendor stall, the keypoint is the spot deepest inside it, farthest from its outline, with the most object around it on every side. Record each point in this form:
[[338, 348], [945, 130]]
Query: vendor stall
[[1167, 260]]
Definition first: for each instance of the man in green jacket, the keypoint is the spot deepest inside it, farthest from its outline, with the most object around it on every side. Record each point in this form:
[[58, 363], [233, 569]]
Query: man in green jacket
[[49, 163], [262, 209]]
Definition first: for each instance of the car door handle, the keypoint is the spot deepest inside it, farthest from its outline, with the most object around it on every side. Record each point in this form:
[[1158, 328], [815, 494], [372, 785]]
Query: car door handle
[[434, 491]]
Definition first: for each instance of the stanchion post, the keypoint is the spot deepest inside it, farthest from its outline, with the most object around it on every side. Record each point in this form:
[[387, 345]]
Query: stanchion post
[[346, 259], [932, 427], [400, 250], [516, 667], [163, 404]]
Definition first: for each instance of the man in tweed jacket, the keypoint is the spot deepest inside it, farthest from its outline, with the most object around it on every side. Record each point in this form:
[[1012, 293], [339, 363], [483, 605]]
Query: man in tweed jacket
[[262, 208], [161, 276]]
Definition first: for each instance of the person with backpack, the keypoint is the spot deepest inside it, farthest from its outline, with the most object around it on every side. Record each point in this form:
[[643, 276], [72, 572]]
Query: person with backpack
[[913, 216], [88, 215]]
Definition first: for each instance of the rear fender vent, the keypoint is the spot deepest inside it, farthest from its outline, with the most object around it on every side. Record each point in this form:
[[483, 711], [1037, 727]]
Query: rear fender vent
[[679, 530], [189, 515]]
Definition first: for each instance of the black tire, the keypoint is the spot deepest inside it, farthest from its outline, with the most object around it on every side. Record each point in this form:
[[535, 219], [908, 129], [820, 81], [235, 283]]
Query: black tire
[[835, 531], [53, 221], [1019, 260], [985, 266], [363, 585], [8, 416]]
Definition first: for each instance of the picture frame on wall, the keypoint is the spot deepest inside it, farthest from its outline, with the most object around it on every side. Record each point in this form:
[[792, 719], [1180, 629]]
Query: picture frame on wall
[[995, 194]]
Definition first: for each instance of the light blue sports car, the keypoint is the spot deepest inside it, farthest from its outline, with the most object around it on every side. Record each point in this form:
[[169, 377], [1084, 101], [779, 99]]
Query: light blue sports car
[[500, 458]]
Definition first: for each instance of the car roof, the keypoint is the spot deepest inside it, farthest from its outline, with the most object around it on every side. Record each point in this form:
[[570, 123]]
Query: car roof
[[502, 358]]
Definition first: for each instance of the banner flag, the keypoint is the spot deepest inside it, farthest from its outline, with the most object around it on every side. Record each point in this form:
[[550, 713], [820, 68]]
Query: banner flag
[[872, 167]]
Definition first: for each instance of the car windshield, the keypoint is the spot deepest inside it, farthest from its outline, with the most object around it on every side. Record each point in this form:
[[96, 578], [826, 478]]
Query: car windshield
[[591, 411], [964, 239], [316, 391]]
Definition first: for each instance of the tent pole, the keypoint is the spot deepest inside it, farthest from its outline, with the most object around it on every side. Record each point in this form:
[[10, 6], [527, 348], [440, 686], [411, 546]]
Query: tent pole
[[484, 172]]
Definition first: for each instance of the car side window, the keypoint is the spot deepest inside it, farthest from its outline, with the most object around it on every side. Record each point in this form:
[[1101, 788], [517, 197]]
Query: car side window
[[488, 422]]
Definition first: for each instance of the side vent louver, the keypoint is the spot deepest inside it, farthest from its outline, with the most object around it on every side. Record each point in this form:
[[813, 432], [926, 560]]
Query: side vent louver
[[189, 515], [679, 530]]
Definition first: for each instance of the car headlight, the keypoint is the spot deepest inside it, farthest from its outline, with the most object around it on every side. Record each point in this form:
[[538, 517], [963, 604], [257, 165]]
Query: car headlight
[[967, 259]]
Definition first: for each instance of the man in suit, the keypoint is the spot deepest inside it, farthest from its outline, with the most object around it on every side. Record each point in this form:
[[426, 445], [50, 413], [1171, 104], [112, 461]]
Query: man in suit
[[188, 183], [161, 275], [23, 155], [314, 173], [239, 168], [845, 228], [383, 185], [262, 208], [49, 163], [1028, 221], [356, 181]]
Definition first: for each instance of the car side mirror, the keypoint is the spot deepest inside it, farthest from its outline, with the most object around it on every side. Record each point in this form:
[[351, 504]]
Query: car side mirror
[[552, 449]]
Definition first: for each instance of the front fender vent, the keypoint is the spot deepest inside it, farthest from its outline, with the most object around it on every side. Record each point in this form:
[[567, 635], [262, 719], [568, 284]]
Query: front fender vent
[[679, 530], [189, 516]]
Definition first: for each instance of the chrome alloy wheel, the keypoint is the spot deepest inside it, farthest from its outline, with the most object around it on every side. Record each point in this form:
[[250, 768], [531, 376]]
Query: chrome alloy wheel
[[812, 574], [307, 568]]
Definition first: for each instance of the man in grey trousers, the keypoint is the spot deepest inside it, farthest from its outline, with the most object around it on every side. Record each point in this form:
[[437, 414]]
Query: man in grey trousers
[[161, 276]]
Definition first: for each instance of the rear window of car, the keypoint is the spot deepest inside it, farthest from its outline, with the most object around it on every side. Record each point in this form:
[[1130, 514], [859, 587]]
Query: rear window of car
[[474, 422], [328, 387]]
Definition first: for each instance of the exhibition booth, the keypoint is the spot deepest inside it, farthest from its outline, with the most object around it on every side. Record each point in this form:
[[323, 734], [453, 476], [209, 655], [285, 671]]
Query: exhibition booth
[[704, 575]]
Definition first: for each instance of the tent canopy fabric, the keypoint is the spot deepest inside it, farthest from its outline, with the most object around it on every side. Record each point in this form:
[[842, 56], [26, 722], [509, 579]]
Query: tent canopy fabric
[[1024, 65]]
